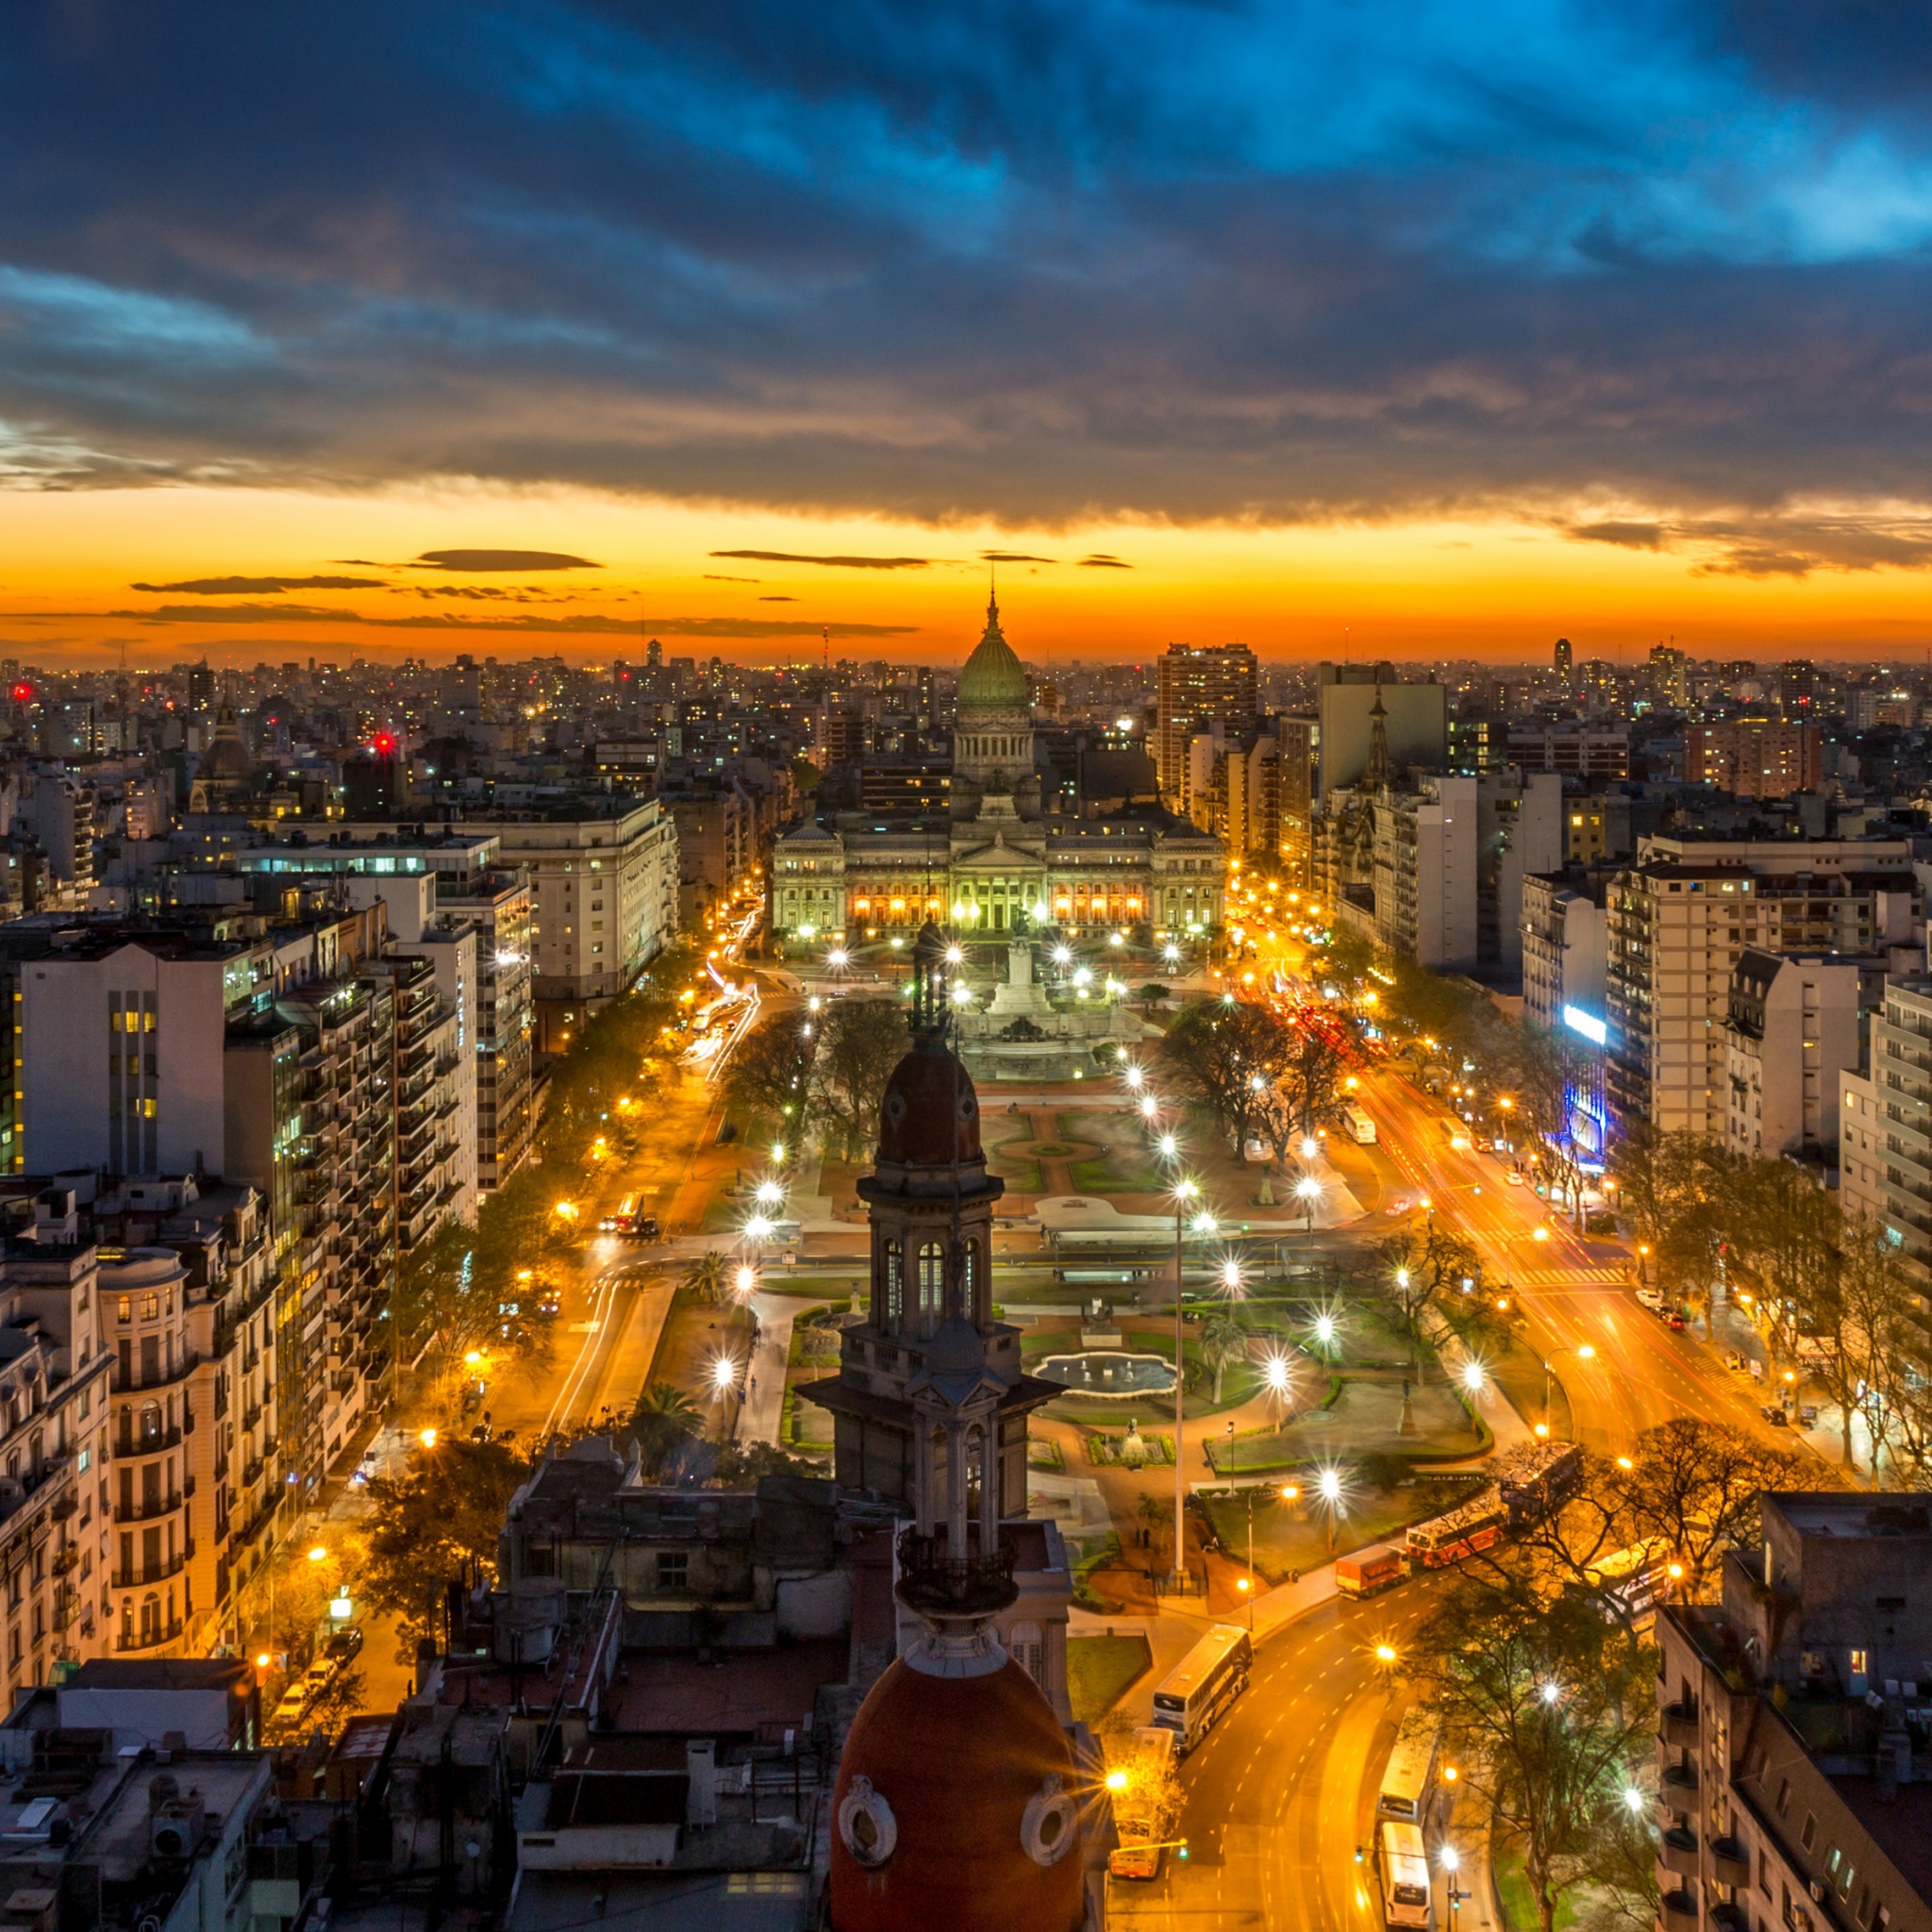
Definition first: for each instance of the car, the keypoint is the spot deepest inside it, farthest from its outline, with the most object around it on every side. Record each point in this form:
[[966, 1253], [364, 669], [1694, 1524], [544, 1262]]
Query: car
[[1733, 1361], [1651, 1299], [1514, 1177], [1773, 1413], [1676, 1318], [295, 1702], [1136, 1861], [1398, 1206], [1807, 1415], [344, 1645]]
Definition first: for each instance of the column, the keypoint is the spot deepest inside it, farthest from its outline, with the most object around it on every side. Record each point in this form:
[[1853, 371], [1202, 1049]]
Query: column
[[923, 1474], [990, 1486], [956, 1492]]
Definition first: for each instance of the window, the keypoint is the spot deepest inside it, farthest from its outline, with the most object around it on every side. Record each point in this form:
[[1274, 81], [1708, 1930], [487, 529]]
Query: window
[[674, 1570], [932, 1282], [1810, 1832], [894, 1311]]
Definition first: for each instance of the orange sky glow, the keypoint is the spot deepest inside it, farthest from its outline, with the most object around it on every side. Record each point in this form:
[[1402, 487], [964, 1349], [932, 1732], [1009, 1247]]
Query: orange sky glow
[[1498, 590]]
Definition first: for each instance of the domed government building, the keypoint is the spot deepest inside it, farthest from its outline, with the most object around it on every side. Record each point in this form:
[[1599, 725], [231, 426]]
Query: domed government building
[[1003, 865], [966, 1801]]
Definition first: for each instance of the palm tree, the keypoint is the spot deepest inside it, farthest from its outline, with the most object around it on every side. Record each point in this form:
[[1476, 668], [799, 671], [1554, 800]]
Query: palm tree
[[664, 1419], [1222, 1341], [705, 1279]]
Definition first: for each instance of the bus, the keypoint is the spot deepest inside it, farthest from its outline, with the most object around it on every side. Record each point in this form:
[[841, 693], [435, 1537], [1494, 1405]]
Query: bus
[[1633, 1578], [1194, 1693], [1408, 1779], [1456, 1133], [1447, 1539], [1405, 1869], [628, 1219], [1361, 1129], [1366, 1572]]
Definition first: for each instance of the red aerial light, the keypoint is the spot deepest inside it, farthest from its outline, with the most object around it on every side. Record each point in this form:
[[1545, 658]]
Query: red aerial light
[[385, 745], [22, 693]]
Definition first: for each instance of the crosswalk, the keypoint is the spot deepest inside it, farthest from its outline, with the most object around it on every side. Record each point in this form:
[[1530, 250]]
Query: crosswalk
[[1572, 1278]]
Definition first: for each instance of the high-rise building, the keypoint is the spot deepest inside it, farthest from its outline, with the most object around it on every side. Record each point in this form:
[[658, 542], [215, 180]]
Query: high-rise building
[[1754, 758], [1199, 686], [1415, 724], [1679, 919], [1670, 676], [1586, 751], [1795, 1024], [1885, 1124], [1561, 659]]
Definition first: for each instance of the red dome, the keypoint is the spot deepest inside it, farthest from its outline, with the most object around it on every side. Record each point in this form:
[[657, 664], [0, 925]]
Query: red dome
[[931, 1115], [956, 1809]]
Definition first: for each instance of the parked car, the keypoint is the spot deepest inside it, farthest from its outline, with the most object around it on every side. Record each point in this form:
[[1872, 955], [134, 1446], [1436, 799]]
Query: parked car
[[1514, 1177], [1773, 1413], [344, 1645], [1676, 1318], [295, 1702], [1651, 1299]]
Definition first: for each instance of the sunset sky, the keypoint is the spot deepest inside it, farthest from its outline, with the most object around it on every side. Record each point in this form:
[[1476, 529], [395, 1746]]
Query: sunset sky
[[1425, 330]]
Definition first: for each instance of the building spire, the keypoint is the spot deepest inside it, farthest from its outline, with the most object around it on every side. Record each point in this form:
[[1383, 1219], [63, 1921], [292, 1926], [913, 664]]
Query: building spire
[[1377, 773], [993, 595]]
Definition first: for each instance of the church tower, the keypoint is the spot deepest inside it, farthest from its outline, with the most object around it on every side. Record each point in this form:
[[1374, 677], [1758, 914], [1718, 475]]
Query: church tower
[[930, 1403]]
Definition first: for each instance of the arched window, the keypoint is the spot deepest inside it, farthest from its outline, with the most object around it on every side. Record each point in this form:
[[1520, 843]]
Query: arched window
[[893, 1311], [969, 1266], [151, 1422], [932, 1284]]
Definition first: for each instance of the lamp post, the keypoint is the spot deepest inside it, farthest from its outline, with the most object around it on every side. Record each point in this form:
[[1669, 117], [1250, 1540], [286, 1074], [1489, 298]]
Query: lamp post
[[1184, 1191], [1309, 1190]]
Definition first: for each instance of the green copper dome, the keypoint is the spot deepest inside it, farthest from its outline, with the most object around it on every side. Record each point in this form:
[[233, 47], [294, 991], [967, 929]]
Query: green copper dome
[[993, 679]]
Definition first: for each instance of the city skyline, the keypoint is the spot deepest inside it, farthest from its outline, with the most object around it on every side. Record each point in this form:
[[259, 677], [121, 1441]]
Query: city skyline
[[1432, 346]]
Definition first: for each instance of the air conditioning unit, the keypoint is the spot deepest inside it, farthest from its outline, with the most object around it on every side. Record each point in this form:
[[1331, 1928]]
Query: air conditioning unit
[[175, 1831], [1817, 1891]]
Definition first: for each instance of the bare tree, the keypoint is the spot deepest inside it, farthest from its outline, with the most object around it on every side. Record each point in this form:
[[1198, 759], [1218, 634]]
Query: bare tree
[[768, 1080], [860, 1041], [1546, 1068], [1227, 1054]]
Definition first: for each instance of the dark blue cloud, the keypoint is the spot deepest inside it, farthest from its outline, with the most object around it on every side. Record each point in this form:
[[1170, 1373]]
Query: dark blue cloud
[[1138, 256]]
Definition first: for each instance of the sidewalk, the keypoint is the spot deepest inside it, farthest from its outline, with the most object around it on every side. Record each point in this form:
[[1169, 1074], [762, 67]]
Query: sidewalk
[[763, 1410]]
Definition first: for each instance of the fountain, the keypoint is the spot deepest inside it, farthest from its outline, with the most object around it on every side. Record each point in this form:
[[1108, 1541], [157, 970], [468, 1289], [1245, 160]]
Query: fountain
[[1107, 1374]]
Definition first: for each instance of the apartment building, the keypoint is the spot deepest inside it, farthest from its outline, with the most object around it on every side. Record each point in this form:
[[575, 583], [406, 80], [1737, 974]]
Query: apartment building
[[1885, 1124], [1563, 947], [1679, 919], [1794, 1024], [1754, 758], [1792, 1730], [1199, 686], [604, 879], [1585, 750]]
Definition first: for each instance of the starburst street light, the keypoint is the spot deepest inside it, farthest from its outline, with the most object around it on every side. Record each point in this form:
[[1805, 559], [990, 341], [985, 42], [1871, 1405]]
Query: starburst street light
[[748, 1280], [1168, 1147], [1231, 1277], [1133, 1076], [1149, 1106], [1472, 1377], [759, 1228], [770, 1194]]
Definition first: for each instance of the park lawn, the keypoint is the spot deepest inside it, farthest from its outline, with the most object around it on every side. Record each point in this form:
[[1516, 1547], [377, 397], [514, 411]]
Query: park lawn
[[1100, 1669], [1019, 1170], [1294, 1536], [1518, 1371], [818, 1288], [693, 1337], [1364, 1418], [1123, 1165], [1519, 1903]]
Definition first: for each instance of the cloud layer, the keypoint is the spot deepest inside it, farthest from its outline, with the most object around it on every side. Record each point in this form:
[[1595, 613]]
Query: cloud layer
[[1664, 264]]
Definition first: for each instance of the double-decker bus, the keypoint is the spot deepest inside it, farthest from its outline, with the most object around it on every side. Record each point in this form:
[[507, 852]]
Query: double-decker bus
[[1194, 1693]]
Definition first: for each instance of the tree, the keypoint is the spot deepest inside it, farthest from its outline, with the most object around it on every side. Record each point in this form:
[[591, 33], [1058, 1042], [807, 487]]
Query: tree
[[1785, 1233], [1227, 1054], [861, 1042], [1547, 1719], [768, 1080], [1878, 1344], [707, 1280], [1306, 1090], [1694, 1485], [663, 1422], [1546, 1069], [1224, 1342], [433, 1526], [1422, 1272]]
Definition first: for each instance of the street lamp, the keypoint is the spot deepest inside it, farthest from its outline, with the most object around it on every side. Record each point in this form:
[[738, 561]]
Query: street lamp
[[1185, 1191], [1330, 1488], [1473, 1381], [1231, 1279], [1308, 1191]]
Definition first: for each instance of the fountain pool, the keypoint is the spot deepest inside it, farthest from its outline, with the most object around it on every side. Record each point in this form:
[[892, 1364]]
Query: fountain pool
[[1107, 1374]]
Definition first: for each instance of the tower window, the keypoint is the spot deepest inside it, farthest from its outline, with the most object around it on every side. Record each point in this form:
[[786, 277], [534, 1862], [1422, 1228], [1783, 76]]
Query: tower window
[[932, 1283], [895, 1310]]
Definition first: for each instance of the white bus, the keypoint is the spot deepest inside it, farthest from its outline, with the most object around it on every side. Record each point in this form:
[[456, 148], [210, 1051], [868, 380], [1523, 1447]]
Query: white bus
[[1203, 1684], [1408, 1781], [1405, 1867], [1361, 1129]]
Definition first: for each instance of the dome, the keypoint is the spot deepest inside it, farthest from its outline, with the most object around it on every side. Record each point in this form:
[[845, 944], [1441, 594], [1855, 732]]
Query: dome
[[227, 757], [955, 1809], [993, 678], [929, 1114], [956, 1349]]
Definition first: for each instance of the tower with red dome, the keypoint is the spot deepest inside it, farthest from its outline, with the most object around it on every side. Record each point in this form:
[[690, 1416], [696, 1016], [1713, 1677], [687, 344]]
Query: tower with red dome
[[930, 1401], [960, 1806]]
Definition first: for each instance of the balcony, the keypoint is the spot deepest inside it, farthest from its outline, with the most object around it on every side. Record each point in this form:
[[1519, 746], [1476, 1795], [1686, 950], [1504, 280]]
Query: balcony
[[146, 1511], [1676, 1854], [1730, 1861], [137, 1378], [1676, 1911], [68, 1559], [150, 1444], [147, 1639], [145, 1573], [1678, 1725], [1681, 1778]]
